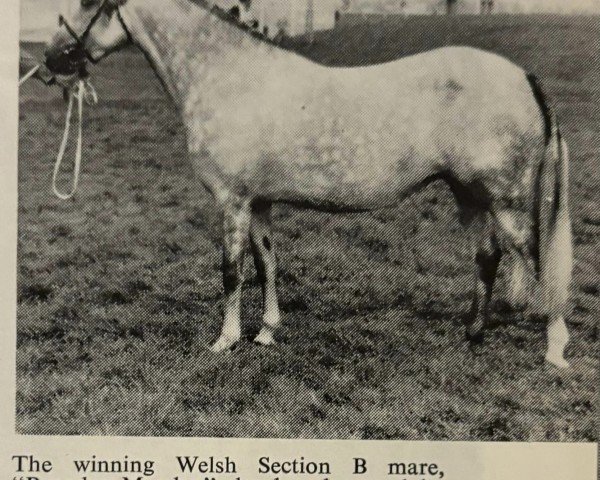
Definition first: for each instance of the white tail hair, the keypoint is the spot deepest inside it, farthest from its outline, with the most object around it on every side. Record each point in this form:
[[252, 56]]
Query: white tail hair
[[555, 244], [556, 251]]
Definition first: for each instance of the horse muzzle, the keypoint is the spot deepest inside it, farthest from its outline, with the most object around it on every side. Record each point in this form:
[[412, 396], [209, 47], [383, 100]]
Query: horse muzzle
[[67, 60]]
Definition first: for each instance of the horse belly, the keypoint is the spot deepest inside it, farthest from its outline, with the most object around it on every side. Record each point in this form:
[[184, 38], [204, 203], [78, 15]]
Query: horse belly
[[344, 184], [339, 163]]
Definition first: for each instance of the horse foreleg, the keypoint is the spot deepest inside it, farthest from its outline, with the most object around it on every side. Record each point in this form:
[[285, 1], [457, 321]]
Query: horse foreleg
[[487, 259], [266, 269], [235, 239]]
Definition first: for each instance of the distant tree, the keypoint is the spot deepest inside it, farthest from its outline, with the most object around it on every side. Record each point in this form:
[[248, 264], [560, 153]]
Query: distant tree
[[487, 6], [451, 6]]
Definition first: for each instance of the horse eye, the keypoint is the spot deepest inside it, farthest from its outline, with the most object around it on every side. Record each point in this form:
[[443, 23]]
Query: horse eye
[[87, 3]]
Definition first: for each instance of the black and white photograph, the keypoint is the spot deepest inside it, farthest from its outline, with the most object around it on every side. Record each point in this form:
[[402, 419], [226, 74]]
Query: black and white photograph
[[309, 219]]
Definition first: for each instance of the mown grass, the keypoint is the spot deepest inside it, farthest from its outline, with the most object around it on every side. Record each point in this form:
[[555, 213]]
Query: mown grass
[[120, 289]]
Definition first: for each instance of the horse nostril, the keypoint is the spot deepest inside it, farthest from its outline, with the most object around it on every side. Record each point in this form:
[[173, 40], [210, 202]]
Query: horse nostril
[[65, 61], [53, 63]]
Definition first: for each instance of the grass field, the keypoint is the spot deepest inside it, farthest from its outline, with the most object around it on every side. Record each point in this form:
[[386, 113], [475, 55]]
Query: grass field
[[120, 289]]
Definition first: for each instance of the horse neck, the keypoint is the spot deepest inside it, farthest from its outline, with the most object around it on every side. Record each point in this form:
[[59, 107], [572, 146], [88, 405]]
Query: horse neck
[[197, 55]]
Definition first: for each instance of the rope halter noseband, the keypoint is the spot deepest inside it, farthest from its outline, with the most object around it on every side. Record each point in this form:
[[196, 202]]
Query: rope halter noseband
[[108, 7]]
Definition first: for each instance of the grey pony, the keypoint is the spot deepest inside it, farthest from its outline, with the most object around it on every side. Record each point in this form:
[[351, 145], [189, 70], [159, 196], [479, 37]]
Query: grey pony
[[267, 126]]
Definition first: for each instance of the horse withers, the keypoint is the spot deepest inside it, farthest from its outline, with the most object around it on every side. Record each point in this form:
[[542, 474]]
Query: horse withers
[[267, 126]]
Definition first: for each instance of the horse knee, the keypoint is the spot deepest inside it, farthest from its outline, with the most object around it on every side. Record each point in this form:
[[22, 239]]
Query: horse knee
[[262, 245], [235, 238]]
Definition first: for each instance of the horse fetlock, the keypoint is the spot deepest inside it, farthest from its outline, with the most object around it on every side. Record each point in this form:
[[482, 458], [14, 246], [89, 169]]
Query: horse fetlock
[[475, 324], [265, 336], [231, 332], [475, 334], [516, 299], [558, 337], [557, 360], [518, 302]]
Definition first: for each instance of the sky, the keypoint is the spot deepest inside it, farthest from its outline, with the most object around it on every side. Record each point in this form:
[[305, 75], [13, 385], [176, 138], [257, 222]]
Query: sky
[[39, 17]]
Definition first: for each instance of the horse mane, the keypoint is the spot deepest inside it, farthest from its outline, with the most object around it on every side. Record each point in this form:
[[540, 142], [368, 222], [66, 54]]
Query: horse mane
[[229, 17]]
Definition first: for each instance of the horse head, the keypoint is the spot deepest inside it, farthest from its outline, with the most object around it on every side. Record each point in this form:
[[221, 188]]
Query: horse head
[[94, 29]]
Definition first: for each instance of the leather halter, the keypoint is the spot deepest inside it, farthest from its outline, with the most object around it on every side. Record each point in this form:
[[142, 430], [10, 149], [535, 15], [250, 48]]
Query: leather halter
[[80, 39]]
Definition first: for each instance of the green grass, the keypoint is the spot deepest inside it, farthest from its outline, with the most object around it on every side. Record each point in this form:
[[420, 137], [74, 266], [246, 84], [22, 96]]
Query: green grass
[[120, 289]]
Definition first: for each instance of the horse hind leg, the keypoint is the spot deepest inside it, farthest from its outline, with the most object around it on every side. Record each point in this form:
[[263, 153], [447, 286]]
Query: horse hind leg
[[487, 256], [510, 225], [517, 287], [475, 213], [266, 269]]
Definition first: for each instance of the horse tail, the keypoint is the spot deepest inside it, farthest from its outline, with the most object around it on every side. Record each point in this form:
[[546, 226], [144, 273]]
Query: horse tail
[[553, 249]]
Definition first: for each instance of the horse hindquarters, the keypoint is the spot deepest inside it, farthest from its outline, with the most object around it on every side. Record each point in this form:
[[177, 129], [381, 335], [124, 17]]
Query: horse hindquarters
[[552, 243]]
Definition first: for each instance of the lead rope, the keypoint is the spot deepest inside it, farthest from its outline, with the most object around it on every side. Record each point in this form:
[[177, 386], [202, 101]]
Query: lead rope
[[28, 75], [86, 92]]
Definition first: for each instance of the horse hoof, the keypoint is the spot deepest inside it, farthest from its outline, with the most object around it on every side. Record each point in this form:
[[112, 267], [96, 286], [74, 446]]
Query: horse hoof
[[223, 344], [558, 362], [519, 307], [265, 337], [510, 306], [475, 337]]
